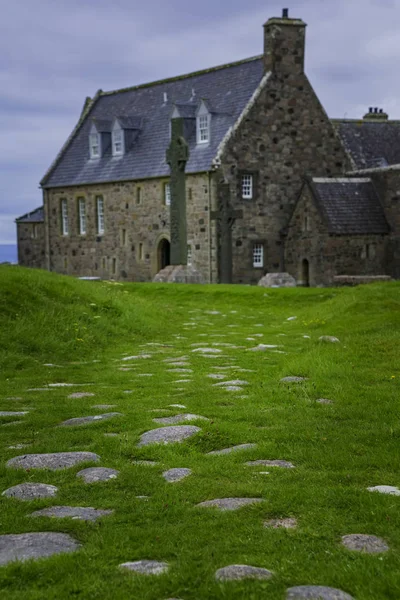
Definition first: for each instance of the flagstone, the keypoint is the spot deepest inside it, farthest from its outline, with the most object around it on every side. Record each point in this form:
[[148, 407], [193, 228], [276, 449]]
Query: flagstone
[[232, 449], [94, 474], [139, 356], [111, 434], [271, 463], [90, 419], [385, 489], [73, 512], [216, 376], [27, 546], [145, 463], [238, 572], [316, 592], [179, 419], [19, 446], [370, 544], [286, 523], [177, 474], [177, 405], [262, 347], [293, 379], [229, 503], [329, 338], [233, 388], [53, 461], [324, 401], [231, 382], [168, 435], [146, 567], [31, 491], [208, 351], [11, 413], [104, 406], [80, 395]]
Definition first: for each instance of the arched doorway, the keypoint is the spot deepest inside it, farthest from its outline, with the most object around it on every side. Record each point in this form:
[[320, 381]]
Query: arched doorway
[[305, 273], [163, 254]]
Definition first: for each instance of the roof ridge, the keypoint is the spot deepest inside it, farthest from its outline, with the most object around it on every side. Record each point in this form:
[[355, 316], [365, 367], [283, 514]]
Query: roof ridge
[[185, 76], [361, 120]]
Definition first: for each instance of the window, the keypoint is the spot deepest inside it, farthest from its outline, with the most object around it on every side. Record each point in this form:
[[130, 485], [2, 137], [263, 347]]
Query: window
[[104, 263], [167, 194], [94, 143], [190, 193], [114, 266], [189, 255], [258, 255], [138, 195], [64, 217], [100, 214], [247, 186], [34, 231], [203, 129], [306, 223], [123, 237], [117, 142], [82, 215], [140, 251]]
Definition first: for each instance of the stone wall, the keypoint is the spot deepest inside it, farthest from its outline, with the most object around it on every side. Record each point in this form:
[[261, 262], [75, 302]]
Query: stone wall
[[31, 245], [387, 184], [284, 135], [136, 220], [328, 255]]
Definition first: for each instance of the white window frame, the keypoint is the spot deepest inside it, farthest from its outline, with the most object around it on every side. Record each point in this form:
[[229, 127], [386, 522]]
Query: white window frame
[[167, 194], [203, 128], [82, 215], [189, 255], [100, 214], [95, 145], [118, 142], [258, 255], [64, 217], [247, 186]]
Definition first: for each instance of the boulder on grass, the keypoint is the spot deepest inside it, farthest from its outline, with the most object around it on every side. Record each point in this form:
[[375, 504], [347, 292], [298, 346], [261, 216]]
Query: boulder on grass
[[277, 280]]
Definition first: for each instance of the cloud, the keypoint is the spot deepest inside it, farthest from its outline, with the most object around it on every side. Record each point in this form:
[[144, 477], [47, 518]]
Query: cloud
[[54, 55]]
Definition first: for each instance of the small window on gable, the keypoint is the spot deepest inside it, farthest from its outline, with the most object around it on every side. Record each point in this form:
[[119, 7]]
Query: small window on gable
[[82, 215], [64, 217], [167, 194], [100, 214], [118, 142], [203, 129], [247, 187], [138, 195], [94, 145], [258, 255]]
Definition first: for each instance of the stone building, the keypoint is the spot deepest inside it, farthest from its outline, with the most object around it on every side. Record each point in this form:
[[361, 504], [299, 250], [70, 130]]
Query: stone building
[[313, 196]]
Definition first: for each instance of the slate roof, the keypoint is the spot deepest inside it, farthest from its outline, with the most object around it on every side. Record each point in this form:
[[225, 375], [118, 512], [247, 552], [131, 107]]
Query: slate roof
[[370, 143], [226, 89], [35, 216], [349, 205]]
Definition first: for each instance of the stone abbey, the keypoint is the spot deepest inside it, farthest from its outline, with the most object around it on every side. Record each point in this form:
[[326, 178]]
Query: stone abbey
[[272, 184]]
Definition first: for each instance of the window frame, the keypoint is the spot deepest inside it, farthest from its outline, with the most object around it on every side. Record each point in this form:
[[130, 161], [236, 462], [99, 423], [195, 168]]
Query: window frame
[[254, 189], [203, 132], [189, 256], [64, 216], [82, 220], [120, 132], [97, 145], [100, 215], [167, 193], [248, 186], [258, 257]]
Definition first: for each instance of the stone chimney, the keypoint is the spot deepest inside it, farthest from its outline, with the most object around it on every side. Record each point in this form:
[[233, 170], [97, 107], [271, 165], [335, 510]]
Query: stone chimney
[[284, 44], [375, 114]]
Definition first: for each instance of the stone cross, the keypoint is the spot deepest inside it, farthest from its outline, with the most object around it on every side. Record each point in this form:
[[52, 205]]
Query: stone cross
[[226, 217], [177, 157]]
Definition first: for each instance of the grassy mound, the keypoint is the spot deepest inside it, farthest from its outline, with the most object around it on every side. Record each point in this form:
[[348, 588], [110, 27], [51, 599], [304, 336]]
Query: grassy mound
[[119, 344]]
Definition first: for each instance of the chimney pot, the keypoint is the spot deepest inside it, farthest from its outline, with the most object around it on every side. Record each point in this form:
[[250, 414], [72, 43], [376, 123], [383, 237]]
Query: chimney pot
[[285, 13], [376, 110], [371, 110], [381, 111]]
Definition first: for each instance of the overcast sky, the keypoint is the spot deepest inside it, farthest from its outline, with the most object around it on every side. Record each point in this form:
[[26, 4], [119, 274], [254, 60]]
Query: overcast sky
[[54, 53]]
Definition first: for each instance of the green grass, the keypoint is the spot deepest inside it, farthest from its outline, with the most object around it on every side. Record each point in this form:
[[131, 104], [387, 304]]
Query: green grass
[[339, 450]]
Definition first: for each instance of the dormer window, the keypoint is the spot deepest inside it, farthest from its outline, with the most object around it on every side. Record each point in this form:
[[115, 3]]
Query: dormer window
[[94, 144], [203, 121], [203, 129], [118, 142]]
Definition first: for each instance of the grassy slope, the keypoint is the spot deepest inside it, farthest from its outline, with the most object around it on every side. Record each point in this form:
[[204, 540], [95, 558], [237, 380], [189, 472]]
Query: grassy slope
[[339, 450]]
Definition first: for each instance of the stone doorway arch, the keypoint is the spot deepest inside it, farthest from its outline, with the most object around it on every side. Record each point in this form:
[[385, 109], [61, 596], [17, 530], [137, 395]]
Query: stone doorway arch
[[163, 254], [305, 273]]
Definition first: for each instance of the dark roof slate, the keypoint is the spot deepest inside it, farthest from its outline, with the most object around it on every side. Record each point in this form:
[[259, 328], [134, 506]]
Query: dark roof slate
[[35, 216], [226, 89], [370, 144], [350, 206]]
